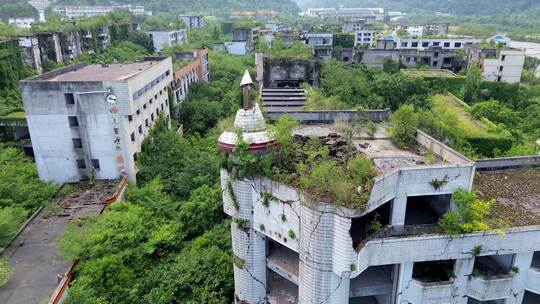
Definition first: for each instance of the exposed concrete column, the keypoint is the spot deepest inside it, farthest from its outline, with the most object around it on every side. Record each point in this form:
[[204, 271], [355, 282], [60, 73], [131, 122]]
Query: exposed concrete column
[[462, 270], [399, 207], [523, 262], [318, 283], [403, 282]]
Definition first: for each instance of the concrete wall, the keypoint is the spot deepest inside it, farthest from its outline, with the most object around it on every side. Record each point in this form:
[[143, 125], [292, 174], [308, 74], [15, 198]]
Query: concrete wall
[[331, 116], [507, 163]]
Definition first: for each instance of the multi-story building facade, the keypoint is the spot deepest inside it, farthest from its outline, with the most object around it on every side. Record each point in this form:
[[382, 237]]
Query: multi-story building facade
[[165, 38], [197, 69], [321, 43], [247, 35], [358, 24], [447, 44], [89, 121], [81, 12], [498, 64], [22, 22], [364, 38], [418, 30], [193, 21], [290, 247]]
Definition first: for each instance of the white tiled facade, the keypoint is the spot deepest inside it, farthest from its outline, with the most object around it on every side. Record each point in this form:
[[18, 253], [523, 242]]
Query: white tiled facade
[[75, 132]]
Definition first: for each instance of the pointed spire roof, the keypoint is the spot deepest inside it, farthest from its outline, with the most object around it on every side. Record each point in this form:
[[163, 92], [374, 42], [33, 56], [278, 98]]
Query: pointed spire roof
[[246, 80]]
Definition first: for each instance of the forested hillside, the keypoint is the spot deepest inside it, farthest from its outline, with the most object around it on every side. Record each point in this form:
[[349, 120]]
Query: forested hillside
[[209, 7], [465, 7], [18, 8]]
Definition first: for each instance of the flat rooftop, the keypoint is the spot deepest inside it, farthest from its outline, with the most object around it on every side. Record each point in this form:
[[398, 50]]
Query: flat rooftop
[[517, 195], [380, 148], [97, 72]]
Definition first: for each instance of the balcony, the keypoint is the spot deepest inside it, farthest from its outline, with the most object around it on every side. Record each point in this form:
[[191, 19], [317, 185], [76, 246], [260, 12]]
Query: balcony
[[490, 289], [433, 292]]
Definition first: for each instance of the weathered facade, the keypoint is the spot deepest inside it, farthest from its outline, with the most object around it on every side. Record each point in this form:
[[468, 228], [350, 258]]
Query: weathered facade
[[89, 121], [196, 70], [289, 248]]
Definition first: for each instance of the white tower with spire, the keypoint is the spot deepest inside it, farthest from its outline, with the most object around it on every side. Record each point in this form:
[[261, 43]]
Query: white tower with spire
[[249, 246]]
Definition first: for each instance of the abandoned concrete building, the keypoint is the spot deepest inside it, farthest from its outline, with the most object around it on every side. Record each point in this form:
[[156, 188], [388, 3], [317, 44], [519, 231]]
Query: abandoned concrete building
[[89, 121], [166, 38], [56, 47], [497, 63], [321, 43], [292, 247], [195, 69], [434, 57]]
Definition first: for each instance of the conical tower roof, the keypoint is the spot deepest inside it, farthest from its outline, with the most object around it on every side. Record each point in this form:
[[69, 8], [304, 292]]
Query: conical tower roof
[[250, 121]]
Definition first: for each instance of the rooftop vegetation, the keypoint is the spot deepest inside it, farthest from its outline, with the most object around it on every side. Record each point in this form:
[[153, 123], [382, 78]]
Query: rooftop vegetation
[[359, 87], [471, 215], [298, 49], [328, 169]]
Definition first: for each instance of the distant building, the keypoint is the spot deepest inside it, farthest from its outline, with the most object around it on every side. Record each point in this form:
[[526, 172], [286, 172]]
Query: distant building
[[321, 43], [364, 38], [432, 57], [197, 69], [236, 47], [346, 12], [418, 30], [193, 21], [359, 24], [22, 22], [419, 43], [165, 38], [247, 35], [498, 64], [90, 120], [78, 12]]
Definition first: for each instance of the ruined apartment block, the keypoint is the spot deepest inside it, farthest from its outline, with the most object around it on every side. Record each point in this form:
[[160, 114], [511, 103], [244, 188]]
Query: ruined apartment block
[[89, 121], [288, 248]]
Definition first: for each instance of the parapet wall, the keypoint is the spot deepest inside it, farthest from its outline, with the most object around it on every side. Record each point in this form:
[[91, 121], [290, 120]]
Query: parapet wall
[[443, 151], [316, 117], [495, 164]]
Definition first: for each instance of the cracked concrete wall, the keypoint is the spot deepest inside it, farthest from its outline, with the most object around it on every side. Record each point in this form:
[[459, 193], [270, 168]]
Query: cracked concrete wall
[[250, 271], [318, 282]]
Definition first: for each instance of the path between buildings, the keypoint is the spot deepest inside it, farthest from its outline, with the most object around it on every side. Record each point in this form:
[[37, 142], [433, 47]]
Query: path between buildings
[[34, 255]]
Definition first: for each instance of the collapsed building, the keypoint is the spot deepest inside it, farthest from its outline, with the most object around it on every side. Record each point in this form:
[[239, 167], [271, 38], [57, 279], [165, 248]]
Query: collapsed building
[[291, 246], [57, 46]]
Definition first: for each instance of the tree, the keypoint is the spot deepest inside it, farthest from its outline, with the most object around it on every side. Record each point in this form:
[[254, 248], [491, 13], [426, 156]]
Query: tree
[[471, 214], [495, 111], [471, 90], [404, 124], [390, 66]]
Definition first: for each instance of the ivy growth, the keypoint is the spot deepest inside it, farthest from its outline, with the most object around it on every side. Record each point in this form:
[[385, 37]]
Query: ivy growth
[[233, 195]]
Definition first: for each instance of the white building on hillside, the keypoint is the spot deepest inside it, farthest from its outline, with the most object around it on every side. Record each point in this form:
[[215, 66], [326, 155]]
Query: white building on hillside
[[498, 64], [165, 38]]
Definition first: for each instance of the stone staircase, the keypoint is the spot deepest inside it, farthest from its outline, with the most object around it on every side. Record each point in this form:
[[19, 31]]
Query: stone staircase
[[283, 99]]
